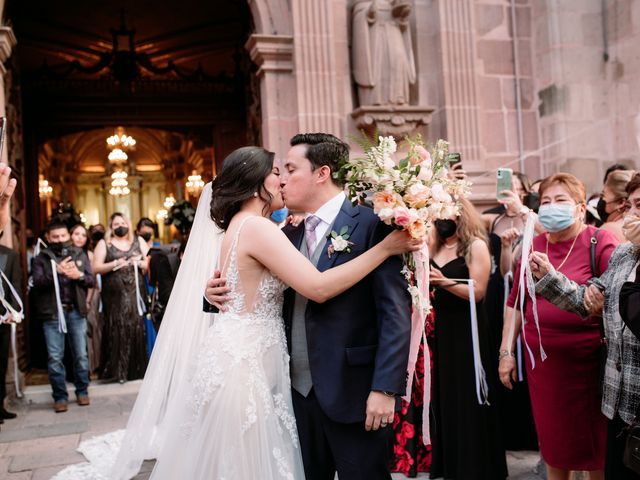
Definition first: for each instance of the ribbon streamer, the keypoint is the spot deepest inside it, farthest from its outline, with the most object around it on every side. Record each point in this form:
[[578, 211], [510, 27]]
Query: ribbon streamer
[[62, 322], [139, 301], [482, 386], [418, 319], [17, 316], [527, 287]]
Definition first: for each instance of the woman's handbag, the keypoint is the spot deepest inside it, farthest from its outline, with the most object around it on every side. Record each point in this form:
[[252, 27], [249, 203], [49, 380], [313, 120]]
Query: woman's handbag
[[631, 457]]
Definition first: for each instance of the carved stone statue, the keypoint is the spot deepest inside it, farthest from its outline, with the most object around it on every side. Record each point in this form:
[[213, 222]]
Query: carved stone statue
[[382, 52]]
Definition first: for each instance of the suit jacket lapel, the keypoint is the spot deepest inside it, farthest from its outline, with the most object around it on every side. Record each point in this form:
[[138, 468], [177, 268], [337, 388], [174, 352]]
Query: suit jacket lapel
[[348, 216]]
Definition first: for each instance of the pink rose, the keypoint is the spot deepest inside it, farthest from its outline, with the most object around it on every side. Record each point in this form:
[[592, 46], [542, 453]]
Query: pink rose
[[401, 216]]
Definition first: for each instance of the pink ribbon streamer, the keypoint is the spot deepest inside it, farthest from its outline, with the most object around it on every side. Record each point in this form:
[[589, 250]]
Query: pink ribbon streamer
[[418, 319]]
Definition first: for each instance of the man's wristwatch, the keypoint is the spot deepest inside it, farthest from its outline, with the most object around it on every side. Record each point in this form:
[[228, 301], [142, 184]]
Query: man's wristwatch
[[388, 394]]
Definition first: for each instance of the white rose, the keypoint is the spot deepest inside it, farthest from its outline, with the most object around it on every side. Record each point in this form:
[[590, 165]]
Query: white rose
[[386, 215], [339, 244]]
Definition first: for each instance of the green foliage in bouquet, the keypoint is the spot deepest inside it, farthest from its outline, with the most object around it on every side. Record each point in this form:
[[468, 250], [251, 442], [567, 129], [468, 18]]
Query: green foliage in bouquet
[[181, 216]]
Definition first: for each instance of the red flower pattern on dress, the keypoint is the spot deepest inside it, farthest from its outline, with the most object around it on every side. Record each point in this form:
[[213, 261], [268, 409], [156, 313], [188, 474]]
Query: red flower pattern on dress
[[411, 455]]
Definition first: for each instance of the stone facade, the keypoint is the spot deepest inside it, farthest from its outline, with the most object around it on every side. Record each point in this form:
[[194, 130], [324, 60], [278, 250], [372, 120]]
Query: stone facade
[[537, 85], [518, 83]]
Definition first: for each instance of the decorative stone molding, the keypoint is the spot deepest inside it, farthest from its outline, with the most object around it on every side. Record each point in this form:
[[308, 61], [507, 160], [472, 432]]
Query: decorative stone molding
[[271, 53], [7, 42], [398, 120]]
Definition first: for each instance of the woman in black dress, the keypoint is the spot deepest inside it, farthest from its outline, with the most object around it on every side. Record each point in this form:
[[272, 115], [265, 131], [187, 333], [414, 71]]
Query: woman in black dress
[[466, 438], [121, 260], [514, 406]]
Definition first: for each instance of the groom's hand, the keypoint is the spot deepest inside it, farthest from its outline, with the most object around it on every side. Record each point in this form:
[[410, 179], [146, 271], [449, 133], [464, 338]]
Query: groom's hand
[[380, 411], [216, 291]]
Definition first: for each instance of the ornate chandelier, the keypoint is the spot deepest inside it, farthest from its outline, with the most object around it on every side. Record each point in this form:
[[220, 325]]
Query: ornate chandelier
[[194, 184], [44, 189], [119, 143], [119, 184], [121, 140]]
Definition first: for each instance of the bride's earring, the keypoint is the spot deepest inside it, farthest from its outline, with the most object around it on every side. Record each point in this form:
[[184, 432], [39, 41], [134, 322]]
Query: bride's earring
[[255, 194]]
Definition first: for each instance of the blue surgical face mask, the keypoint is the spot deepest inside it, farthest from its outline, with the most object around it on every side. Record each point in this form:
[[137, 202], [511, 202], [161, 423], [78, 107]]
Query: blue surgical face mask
[[555, 217], [280, 216]]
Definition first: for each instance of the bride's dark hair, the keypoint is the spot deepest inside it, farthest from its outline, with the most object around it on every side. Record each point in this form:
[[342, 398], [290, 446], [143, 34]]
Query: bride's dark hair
[[242, 176]]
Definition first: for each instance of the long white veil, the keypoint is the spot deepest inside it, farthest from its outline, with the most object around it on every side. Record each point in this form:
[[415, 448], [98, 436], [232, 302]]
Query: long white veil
[[183, 326]]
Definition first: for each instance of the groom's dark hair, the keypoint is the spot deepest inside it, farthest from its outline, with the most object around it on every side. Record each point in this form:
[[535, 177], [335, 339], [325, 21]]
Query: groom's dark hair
[[323, 149]]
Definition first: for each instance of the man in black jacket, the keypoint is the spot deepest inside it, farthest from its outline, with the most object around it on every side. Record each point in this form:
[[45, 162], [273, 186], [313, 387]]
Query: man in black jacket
[[61, 276], [10, 265]]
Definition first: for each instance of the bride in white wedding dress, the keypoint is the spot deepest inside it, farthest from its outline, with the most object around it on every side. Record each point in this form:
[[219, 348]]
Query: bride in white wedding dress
[[216, 400]]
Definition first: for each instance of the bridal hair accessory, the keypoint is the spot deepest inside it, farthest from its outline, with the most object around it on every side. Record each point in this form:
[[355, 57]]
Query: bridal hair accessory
[[339, 241], [409, 192]]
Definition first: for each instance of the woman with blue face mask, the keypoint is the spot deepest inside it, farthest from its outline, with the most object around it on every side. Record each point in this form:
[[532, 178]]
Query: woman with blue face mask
[[564, 387]]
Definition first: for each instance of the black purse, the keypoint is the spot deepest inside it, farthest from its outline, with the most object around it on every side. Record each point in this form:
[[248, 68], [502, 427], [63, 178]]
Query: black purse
[[631, 457]]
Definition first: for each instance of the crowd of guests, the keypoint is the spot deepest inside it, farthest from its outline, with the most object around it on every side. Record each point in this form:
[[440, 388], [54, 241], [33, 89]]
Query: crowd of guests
[[564, 376], [561, 368], [91, 294]]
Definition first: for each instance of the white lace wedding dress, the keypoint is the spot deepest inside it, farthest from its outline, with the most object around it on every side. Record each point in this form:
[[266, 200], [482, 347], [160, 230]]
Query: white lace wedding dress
[[237, 419], [234, 420]]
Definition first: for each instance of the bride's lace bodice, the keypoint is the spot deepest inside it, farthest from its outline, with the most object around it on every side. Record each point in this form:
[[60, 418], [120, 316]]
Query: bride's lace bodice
[[268, 297]]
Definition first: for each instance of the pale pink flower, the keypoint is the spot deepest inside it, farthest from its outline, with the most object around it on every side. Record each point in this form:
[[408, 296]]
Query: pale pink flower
[[402, 217]]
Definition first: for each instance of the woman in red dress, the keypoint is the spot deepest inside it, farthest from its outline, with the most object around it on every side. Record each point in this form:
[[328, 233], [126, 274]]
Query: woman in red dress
[[564, 388]]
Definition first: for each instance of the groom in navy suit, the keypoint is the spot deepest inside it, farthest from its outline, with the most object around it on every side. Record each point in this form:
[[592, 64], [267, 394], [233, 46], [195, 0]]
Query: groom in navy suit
[[349, 354]]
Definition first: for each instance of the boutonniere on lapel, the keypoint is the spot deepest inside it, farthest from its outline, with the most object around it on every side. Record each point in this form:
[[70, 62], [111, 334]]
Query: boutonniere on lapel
[[339, 241]]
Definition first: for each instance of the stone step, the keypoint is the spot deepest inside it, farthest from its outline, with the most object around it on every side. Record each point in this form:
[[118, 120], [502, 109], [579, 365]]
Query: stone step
[[41, 394]]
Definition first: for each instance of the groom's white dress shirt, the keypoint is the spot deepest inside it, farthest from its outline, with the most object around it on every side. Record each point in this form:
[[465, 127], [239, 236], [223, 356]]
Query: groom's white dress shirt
[[327, 214]]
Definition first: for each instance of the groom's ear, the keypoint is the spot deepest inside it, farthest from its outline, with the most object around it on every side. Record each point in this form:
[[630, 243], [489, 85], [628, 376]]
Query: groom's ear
[[324, 174]]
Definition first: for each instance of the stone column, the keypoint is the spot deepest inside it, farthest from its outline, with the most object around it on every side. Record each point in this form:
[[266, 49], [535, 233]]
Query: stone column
[[273, 54], [315, 66], [7, 42], [459, 78]]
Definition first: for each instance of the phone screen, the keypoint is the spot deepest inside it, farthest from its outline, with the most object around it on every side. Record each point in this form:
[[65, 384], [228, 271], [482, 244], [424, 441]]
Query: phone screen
[[503, 180]]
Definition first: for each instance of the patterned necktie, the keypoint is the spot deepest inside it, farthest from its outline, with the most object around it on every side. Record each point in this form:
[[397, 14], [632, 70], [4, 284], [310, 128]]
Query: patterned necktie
[[310, 224]]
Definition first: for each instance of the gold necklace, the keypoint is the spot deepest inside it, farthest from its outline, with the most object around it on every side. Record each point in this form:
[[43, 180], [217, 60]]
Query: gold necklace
[[568, 253], [450, 246]]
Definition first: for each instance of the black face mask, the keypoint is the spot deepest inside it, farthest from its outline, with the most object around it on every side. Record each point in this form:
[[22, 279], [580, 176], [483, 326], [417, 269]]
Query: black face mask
[[60, 249], [446, 228], [121, 231], [532, 201], [601, 208], [97, 236], [146, 236]]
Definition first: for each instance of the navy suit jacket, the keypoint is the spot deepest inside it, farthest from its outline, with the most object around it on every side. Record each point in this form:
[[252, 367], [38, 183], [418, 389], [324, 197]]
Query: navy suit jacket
[[359, 340]]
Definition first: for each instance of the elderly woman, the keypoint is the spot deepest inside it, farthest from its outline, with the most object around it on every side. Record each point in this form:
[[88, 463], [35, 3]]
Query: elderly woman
[[621, 396], [564, 387]]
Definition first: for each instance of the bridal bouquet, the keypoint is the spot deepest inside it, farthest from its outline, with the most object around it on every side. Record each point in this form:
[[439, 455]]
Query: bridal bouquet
[[408, 191]]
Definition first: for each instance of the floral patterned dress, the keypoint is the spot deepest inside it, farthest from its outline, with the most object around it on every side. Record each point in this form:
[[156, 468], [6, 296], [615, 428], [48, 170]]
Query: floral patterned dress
[[410, 454]]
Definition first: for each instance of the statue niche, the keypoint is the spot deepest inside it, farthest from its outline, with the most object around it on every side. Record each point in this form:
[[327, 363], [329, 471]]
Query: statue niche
[[384, 68], [383, 63]]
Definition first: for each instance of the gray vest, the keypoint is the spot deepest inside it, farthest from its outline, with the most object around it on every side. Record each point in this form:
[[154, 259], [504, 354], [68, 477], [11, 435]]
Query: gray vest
[[300, 371]]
